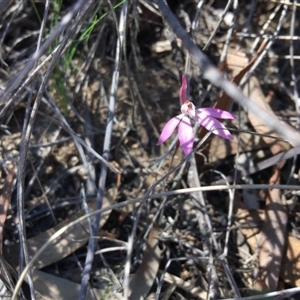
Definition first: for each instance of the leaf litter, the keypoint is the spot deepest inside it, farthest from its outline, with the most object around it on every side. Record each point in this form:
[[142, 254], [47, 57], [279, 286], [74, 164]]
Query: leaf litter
[[215, 245]]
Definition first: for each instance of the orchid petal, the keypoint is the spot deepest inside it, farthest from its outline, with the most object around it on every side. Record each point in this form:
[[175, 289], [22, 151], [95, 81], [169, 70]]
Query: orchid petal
[[215, 112], [183, 90], [214, 126], [186, 135], [168, 129]]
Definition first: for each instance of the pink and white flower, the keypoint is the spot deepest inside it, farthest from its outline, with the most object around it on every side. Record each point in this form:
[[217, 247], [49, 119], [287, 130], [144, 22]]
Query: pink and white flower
[[206, 117]]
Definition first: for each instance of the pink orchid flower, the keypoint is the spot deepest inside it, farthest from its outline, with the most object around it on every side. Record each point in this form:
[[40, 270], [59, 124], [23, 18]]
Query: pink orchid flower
[[203, 116]]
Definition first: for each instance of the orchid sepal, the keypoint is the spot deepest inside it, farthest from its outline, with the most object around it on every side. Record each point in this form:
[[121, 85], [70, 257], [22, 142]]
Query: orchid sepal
[[206, 117], [169, 128]]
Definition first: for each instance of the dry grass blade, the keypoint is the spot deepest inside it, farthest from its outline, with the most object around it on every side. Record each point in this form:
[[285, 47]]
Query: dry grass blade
[[4, 203], [4, 4], [7, 273], [14, 83], [272, 242], [143, 279]]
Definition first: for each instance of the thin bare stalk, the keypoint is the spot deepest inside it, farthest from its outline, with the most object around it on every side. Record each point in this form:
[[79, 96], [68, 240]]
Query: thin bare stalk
[[106, 150]]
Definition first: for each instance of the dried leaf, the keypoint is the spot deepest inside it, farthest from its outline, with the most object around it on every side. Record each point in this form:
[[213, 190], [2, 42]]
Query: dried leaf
[[142, 281], [291, 263], [224, 101], [50, 287], [219, 148], [290, 266], [69, 241], [272, 240], [259, 288], [253, 90]]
